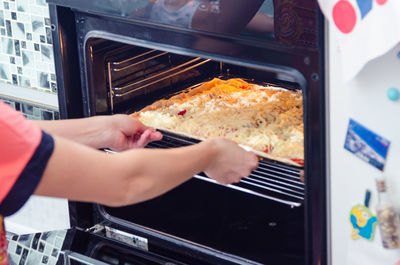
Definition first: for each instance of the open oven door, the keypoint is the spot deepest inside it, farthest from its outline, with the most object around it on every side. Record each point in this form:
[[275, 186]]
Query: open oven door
[[259, 220], [199, 222]]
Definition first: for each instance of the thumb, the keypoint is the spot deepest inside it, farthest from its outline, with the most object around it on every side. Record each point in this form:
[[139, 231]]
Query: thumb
[[144, 138], [155, 136]]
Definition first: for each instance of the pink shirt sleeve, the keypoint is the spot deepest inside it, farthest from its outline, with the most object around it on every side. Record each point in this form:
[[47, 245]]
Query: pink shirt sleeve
[[19, 139]]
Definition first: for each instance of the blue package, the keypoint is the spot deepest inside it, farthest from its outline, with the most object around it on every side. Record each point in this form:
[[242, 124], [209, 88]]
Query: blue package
[[366, 144]]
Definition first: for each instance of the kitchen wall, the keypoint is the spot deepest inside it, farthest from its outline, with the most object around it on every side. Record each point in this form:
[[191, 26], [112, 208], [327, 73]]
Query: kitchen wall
[[28, 84]]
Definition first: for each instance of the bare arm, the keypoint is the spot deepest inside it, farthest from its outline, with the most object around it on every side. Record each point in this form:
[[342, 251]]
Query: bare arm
[[261, 23], [118, 132], [234, 16], [77, 172]]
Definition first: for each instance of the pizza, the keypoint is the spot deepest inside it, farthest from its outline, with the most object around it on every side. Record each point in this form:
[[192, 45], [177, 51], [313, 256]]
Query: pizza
[[268, 119]]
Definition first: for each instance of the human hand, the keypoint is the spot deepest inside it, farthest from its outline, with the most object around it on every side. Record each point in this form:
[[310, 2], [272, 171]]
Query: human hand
[[124, 132], [231, 163]]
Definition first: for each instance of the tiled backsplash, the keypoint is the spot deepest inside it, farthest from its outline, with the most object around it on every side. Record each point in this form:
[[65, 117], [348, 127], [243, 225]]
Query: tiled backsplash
[[26, 52], [33, 111], [36, 249]]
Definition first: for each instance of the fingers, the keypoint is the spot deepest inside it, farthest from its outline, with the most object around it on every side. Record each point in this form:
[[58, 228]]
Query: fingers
[[252, 161], [147, 136], [128, 125], [143, 139], [141, 128], [232, 163], [156, 136]]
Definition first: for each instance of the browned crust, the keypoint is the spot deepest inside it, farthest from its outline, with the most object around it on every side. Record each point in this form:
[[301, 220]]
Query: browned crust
[[204, 88], [287, 108]]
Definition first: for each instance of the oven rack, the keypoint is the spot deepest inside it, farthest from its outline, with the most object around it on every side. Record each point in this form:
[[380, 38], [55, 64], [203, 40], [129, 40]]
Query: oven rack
[[271, 180], [141, 72]]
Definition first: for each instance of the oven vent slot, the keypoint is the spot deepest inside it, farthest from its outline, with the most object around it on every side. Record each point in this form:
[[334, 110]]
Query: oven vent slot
[[271, 180], [144, 72]]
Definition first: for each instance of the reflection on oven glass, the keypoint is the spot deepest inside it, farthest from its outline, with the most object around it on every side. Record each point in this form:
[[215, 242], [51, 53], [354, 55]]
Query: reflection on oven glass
[[296, 23], [291, 22], [222, 16]]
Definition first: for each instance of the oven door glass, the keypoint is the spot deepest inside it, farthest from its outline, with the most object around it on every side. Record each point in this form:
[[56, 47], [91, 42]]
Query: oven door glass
[[288, 22]]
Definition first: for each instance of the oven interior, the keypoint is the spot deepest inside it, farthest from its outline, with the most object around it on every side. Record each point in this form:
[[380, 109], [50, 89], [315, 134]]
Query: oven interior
[[259, 219]]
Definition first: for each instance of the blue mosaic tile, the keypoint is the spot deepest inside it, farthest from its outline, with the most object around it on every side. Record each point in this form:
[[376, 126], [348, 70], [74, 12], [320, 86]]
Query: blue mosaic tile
[[37, 23], [14, 259], [34, 112], [28, 59], [15, 79], [35, 241], [8, 46], [41, 247], [4, 72], [24, 256], [47, 52], [34, 258], [26, 43], [43, 79], [27, 109], [53, 87], [18, 30], [8, 28], [54, 252], [18, 250], [23, 81], [48, 36], [2, 18], [25, 240], [47, 115], [22, 5], [41, 2], [17, 48]]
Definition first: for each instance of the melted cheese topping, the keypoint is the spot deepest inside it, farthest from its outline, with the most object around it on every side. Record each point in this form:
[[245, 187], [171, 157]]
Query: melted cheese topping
[[268, 119]]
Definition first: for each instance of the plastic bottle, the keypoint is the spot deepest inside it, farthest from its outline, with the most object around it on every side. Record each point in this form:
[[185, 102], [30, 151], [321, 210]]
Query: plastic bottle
[[388, 218]]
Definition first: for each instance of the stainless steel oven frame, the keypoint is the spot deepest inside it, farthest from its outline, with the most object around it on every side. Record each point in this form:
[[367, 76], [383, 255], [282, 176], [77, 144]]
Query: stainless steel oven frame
[[74, 23]]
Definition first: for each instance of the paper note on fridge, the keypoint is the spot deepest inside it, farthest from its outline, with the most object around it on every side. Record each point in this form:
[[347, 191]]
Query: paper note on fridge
[[366, 144]]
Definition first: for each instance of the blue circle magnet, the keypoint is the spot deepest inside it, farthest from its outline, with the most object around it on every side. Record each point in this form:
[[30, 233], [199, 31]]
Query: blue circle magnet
[[393, 94]]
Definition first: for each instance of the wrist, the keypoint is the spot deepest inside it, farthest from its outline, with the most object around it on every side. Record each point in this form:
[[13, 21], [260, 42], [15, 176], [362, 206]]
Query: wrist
[[212, 150], [96, 133]]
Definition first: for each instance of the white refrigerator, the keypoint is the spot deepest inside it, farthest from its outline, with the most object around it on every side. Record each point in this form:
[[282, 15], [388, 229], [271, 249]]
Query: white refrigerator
[[365, 100]]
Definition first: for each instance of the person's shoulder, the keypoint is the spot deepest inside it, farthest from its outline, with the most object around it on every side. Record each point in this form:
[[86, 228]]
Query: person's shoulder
[[13, 124]]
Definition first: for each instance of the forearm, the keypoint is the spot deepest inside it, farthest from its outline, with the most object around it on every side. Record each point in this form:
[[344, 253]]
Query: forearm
[[159, 170], [234, 16], [261, 23], [80, 173], [84, 131]]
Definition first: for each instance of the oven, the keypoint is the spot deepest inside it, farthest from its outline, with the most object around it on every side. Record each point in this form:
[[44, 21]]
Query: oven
[[110, 58]]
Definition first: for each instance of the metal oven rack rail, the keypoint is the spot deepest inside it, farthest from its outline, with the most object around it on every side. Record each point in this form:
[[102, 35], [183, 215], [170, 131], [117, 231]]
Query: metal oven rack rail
[[271, 180]]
